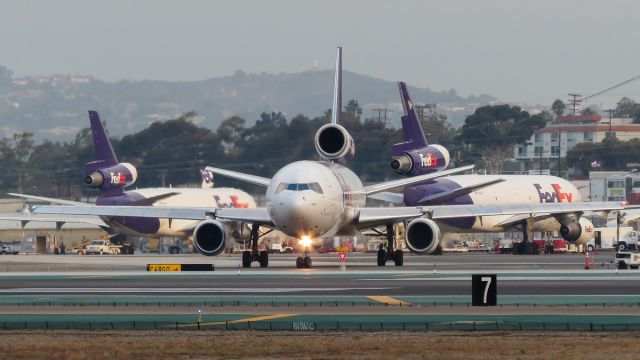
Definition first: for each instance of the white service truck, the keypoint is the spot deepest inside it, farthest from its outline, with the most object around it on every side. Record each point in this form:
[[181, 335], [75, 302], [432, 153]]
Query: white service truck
[[103, 247], [607, 238], [626, 259]]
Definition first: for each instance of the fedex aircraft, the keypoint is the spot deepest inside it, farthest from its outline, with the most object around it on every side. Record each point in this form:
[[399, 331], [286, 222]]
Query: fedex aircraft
[[112, 177], [408, 159], [313, 199]]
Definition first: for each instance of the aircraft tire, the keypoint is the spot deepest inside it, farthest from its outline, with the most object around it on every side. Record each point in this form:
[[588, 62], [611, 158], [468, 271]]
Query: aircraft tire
[[382, 257], [246, 259], [307, 262], [398, 258], [299, 262], [263, 259]]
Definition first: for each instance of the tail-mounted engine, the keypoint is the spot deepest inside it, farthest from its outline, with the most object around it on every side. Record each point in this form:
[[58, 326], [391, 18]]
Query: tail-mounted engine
[[580, 232], [421, 161], [422, 236], [333, 142], [120, 175], [209, 238]]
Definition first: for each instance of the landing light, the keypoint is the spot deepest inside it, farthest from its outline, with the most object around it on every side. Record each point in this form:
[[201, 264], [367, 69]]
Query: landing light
[[305, 241]]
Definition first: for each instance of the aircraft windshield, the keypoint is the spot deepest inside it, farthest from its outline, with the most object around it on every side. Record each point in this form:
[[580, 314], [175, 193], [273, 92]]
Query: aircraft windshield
[[299, 187]]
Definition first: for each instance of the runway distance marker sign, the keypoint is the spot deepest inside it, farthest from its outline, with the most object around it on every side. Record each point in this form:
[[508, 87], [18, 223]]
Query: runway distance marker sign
[[484, 290]]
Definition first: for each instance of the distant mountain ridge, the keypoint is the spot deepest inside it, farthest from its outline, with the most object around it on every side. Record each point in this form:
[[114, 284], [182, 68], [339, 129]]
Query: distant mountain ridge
[[55, 107]]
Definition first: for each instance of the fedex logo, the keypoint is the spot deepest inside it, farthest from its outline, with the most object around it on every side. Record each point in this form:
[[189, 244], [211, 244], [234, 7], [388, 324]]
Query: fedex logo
[[426, 161], [118, 179], [556, 195], [235, 202]]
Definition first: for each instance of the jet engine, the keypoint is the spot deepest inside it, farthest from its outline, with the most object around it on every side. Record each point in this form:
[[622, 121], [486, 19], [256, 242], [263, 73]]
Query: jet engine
[[333, 142], [421, 161], [422, 236], [209, 238], [119, 175], [579, 232]]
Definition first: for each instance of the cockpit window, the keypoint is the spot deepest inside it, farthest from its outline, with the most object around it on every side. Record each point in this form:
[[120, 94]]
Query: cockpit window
[[281, 187], [299, 187]]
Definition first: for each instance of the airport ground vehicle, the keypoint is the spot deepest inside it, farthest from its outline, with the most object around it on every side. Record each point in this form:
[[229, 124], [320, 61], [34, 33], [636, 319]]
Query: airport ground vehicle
[[106, 247], [626, 259], [607, 238], [550, 246], [6, 249], [279, 248]]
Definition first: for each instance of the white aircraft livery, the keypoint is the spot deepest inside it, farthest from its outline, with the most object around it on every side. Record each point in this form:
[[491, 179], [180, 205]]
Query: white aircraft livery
[[312, 199]]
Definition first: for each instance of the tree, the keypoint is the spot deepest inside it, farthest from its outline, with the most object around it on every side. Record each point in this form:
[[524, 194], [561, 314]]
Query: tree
[[493, 130], [558, 107], [624, 107], [588, 111]]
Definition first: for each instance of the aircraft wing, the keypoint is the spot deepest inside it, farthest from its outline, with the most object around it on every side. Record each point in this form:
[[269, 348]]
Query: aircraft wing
[[188, 213], [368, 216], [253, 215], [376, 188], [258, 180], [51, 200], [24, 219], [398, 199]]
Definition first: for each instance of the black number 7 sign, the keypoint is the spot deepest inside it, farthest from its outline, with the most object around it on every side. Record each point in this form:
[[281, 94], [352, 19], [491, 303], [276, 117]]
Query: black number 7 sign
[[484, 290]]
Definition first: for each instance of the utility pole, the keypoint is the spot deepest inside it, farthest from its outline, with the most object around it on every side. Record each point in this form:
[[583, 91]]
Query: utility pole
[[575, 103], [385, 111], [610, 111]]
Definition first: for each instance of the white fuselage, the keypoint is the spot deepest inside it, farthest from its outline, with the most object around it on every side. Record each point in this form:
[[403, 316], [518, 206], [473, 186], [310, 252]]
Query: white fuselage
[[534, 189], [307, 198], [190, 197]]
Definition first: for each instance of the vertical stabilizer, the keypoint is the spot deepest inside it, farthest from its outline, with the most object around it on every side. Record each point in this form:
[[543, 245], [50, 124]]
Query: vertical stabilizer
[[411, 126], [336, 107], [103, 149]]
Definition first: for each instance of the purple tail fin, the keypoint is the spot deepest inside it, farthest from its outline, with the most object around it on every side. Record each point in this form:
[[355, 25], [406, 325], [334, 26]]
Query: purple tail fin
[[104, 151], [411, 126]]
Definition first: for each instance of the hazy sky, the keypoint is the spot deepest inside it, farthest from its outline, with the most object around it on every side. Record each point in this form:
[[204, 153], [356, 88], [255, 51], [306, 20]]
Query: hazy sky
[[519, 51]]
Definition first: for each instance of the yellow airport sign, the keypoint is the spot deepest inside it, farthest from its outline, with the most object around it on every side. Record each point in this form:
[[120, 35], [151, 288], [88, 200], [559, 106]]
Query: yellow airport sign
[[164, 267]]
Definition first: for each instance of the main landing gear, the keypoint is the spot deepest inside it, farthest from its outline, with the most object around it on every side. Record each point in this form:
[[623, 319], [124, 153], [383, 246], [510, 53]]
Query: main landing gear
[[525, 247], [389, 253], [304, 262], [249, 256]]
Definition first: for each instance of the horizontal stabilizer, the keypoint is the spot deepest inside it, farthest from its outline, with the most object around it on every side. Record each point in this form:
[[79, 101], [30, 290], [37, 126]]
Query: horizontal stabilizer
[[51, 200], [258, 180]]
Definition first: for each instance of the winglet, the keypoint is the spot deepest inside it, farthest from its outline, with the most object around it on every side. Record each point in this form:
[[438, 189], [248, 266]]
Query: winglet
[[411, 126], [336, 107], [102, 145]]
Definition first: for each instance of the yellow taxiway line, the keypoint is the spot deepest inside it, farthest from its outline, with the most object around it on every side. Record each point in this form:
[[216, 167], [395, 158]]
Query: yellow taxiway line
[[388, 300], [251, 319]]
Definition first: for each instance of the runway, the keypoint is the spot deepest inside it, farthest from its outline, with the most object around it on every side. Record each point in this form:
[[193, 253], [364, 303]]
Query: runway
[[535, 289]]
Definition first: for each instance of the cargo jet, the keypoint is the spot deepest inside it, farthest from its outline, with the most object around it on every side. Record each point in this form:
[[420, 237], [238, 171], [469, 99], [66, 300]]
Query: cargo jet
[[110, 176], [312, 199], [479, 190]]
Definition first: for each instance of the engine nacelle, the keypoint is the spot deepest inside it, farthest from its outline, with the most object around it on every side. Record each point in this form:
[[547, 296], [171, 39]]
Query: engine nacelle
[[210, 238], [334, 142], [422, 236], [579, 233], [120, 175], [421, 161]]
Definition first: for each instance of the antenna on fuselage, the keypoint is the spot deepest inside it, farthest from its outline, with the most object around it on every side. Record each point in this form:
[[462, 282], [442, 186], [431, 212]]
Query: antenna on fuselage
[[336, 107]]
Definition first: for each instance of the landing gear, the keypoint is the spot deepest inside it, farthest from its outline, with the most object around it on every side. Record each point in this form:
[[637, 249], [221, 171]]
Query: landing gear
[[303, 262], [389, 253], [525, 247], [262, 257]]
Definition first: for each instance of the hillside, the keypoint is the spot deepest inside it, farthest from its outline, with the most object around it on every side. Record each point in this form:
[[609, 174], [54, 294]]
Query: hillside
[[55, 107]]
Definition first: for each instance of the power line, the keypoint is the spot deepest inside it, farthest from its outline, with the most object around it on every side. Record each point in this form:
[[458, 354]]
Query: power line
[[613, 87]]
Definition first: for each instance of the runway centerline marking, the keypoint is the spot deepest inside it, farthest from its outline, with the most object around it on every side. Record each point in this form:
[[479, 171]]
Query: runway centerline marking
[[388, 300]]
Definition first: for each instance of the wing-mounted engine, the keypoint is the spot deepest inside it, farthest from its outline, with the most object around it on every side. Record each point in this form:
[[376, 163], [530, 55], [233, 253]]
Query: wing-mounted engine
[[333, 142], [580, 232], [425, 160], [117, 176], [422, 236], [210, 238]]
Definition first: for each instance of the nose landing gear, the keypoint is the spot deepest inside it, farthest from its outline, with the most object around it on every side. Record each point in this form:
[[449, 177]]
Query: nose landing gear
[[389, 253]]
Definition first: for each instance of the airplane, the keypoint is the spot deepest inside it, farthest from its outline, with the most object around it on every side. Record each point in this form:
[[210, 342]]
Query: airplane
[[479, 189], [308, 200], [112, 177]]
